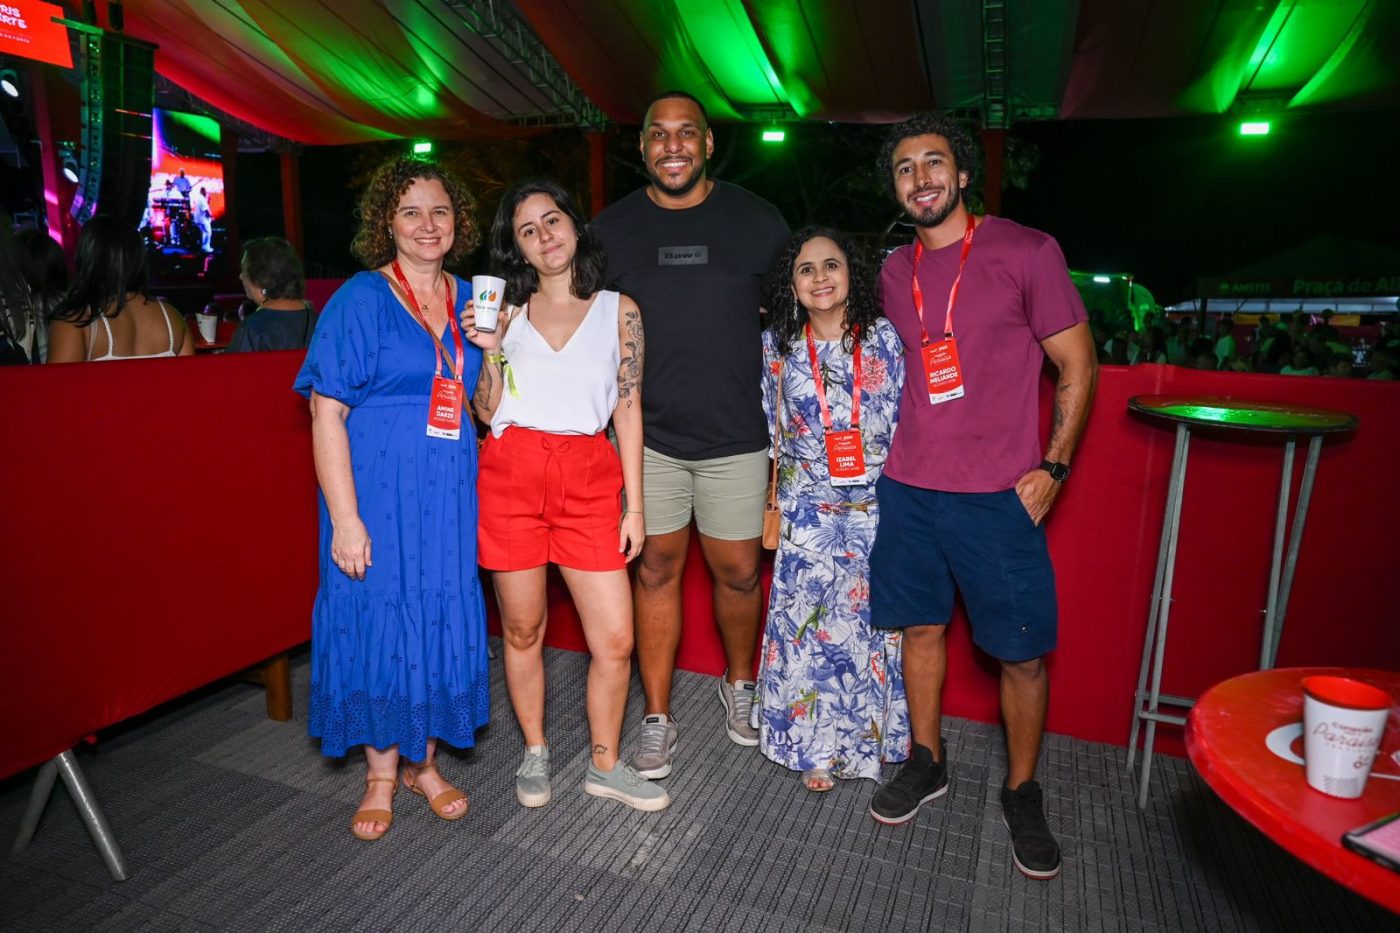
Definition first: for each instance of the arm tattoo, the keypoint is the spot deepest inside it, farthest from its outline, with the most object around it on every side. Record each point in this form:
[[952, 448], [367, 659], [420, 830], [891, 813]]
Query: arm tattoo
[[482, 396], [629, 374]]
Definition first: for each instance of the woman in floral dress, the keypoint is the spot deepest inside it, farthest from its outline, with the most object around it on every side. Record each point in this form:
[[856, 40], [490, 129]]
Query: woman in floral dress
[[830, 690]]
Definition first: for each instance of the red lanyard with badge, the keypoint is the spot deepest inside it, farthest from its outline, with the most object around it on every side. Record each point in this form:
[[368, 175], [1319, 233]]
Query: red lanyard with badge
[[445, 403], [942, 371], [845, 454]]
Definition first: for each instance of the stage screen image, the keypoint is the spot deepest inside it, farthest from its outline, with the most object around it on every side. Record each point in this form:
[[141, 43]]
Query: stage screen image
[[183, 223]]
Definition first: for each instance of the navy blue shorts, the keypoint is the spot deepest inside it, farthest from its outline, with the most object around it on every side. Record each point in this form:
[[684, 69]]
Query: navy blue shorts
[[931, 544]]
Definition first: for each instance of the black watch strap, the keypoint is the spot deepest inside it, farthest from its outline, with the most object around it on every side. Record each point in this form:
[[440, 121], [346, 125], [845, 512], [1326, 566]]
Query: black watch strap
[[1059, 472]]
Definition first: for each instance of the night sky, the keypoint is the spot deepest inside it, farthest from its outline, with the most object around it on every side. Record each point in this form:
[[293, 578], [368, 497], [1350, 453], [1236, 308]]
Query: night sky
[[1167, 200]]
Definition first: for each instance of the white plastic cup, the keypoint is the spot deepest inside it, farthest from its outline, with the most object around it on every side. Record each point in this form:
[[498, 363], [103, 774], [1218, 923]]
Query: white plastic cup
[[208, 326], [487, 293], [1343, 724]]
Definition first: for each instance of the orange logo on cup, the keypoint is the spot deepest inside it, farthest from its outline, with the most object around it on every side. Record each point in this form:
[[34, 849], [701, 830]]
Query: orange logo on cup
[[489, 295]]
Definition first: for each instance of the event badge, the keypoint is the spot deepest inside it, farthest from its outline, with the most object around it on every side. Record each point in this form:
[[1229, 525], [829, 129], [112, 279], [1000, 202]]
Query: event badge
[[445, 409], [845, 458], [445, 400], [943, 372], [845, 454]]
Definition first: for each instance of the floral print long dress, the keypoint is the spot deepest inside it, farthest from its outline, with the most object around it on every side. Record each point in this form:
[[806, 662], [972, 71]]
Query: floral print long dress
[[830, 687]]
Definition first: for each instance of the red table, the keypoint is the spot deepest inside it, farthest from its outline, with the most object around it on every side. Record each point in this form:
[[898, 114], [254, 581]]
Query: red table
[[1245, 738]]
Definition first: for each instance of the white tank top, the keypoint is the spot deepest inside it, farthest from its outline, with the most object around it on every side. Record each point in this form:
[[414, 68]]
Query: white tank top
[[109, 355], [572, 391]]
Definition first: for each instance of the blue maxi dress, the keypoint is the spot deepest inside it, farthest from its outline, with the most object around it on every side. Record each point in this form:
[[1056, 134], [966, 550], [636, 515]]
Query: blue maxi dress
[[400, 657]]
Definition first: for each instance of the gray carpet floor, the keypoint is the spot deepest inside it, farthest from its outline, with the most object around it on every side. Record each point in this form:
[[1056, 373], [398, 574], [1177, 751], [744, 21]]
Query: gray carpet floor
[[230, 821]]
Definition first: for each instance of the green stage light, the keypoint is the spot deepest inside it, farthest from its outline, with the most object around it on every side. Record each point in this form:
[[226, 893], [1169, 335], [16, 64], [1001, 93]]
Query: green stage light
[[422, 147], [1102, 279], [774, 136], [1254, 128]]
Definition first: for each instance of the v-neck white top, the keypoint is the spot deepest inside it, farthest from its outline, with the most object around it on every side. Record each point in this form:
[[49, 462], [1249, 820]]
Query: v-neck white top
[[572, 390]]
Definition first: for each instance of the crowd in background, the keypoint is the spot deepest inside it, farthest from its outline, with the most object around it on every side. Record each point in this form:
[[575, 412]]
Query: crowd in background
[[1294, 345]]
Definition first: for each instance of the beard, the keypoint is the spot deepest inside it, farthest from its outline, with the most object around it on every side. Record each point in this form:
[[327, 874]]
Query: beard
[[935, 216], [685, 187]]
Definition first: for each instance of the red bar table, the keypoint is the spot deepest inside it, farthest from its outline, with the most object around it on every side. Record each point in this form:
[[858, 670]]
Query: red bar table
[[1231, 415], [1244, 737]]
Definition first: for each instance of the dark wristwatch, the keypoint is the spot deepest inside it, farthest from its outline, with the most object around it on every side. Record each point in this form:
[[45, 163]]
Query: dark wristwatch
[[1059, 472]]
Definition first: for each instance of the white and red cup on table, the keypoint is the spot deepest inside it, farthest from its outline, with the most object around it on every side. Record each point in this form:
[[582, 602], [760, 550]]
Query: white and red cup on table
[[1343, 724]]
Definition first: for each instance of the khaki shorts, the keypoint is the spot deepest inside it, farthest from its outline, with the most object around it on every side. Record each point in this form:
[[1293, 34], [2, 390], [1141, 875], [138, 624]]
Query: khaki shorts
[[725, 494]]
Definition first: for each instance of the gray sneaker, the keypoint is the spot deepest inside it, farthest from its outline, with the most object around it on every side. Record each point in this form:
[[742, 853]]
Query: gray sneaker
[[655, 747], [532, 778], [626, 785], [738, 708]]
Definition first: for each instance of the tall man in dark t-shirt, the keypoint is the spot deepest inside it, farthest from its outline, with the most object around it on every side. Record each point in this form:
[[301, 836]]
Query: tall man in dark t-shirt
[[692, 252], [979, 304]]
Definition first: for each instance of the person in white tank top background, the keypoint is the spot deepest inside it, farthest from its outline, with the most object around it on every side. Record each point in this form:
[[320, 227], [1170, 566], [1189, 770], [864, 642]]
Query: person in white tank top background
[[550, 482], [109, 289]]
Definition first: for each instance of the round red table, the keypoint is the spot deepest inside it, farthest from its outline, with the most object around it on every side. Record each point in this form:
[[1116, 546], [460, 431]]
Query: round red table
[[1245, 738]]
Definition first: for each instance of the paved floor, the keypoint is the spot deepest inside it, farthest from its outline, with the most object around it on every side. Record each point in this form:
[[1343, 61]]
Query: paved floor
[[230, 821]]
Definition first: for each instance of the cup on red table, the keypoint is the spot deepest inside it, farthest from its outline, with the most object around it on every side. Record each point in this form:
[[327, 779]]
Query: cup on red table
[[1343, 724], [487, 293]]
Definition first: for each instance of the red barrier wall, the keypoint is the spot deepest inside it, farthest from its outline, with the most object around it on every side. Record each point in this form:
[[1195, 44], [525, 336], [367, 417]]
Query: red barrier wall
[[160, 533]]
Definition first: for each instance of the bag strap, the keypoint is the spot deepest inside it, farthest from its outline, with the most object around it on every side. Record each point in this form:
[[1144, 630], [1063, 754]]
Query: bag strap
[[777, 424]]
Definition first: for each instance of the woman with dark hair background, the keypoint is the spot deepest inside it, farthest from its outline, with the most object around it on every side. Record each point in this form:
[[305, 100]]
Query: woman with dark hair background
[[46, 270], [19, 324], [551, 482], [272, 279], [830, 696], [110, 289]]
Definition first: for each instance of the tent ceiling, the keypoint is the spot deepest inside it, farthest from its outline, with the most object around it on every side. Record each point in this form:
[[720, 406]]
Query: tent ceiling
[[327, 71]]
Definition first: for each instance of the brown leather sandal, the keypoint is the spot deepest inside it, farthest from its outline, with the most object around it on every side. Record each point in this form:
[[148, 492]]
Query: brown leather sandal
[[375, 816], [451, 795]]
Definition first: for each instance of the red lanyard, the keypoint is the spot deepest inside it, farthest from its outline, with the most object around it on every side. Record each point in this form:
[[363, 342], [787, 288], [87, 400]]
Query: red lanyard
[[418, 316], [952, 292], [821, 387]]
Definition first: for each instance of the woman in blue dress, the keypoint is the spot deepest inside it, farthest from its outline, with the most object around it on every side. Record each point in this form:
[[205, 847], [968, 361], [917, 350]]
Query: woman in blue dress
[[398, 638], [830, 688]]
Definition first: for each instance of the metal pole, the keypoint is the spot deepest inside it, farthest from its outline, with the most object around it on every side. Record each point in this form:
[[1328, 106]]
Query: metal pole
[[1144, 667], [1280, 524], [38, 796], [1295, 541], [92, 817], [1154, 702]]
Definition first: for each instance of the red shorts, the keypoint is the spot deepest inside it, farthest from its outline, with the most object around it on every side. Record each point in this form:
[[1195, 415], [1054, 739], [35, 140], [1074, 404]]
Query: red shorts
[[549, 498]]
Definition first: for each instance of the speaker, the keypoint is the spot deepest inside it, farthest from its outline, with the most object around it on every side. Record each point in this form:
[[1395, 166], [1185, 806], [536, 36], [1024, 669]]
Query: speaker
[[118, 95]]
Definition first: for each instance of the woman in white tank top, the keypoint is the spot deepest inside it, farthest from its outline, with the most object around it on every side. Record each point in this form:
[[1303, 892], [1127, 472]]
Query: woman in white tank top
[[109, 290], [551, 483]]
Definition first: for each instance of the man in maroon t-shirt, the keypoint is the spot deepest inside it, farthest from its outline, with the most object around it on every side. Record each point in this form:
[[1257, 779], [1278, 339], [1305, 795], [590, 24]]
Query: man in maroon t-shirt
[[979, 303]]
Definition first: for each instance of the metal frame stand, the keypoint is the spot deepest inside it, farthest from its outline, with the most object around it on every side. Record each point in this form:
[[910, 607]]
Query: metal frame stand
[[1148, 702], [83, 797]]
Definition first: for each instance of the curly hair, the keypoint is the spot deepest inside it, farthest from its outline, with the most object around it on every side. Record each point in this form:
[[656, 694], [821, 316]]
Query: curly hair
[[522, 281], [965, 149], [373, 245], [786, 317]]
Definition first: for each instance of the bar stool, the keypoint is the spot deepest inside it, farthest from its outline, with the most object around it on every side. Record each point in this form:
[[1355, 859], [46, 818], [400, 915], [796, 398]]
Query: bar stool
[[1231, 415]]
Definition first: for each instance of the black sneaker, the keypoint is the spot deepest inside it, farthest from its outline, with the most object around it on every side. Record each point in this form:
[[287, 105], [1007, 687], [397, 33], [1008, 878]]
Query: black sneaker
[[919, 780], [1033, 848]]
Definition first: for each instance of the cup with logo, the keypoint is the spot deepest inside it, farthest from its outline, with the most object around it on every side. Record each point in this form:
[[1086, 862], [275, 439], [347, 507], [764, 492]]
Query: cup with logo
[[487, 292], [1343, 723]]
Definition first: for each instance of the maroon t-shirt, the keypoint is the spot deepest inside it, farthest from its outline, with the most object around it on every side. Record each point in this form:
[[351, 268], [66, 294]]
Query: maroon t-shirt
[[1015, 292]]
